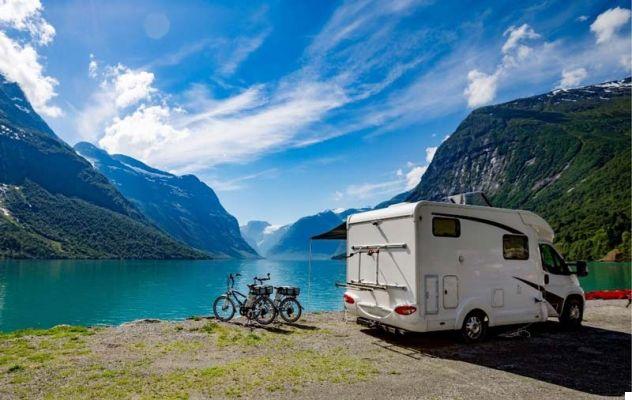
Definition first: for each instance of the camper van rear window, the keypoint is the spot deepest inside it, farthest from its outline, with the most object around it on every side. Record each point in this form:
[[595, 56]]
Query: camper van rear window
[[515, 247], [446, 227]]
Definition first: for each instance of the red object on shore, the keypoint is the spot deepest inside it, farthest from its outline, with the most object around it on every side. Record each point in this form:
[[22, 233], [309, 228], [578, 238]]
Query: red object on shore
[[618, 294]]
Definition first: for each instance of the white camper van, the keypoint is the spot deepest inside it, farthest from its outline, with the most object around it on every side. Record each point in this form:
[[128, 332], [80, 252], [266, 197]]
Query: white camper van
[[432, 266]]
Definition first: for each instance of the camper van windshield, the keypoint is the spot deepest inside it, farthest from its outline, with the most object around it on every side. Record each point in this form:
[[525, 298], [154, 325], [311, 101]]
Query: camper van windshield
[[552, 262]]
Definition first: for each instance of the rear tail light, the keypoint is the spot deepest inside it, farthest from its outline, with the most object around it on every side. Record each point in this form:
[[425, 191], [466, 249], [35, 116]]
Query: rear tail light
[[348, 299], [405, 310]]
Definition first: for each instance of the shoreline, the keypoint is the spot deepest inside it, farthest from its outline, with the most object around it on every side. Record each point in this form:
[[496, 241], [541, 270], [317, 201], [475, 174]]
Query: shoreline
[[594, 301]]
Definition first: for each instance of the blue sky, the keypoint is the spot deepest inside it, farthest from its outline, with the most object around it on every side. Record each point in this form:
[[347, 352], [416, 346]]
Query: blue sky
[[287, 108]]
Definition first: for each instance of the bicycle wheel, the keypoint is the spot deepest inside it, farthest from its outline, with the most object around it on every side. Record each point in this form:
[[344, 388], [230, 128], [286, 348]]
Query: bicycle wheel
[[264, 311], [290, 310], [223, 308]]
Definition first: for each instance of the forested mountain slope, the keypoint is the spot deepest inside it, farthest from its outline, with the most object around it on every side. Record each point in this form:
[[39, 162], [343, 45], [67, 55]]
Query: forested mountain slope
[[53, 204]]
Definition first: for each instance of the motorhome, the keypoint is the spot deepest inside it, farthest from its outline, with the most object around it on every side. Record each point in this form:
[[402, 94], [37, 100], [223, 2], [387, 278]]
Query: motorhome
[[433, 266]]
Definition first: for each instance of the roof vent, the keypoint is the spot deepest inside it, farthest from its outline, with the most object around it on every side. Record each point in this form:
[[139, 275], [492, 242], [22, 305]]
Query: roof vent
[[469, 198]]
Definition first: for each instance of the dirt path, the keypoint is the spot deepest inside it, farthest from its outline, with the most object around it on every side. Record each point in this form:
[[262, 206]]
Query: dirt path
[[323, 357]]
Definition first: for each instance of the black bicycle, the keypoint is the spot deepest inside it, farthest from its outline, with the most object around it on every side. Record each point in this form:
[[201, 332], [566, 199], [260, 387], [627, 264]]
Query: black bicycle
[[286, 303], [256, 306]]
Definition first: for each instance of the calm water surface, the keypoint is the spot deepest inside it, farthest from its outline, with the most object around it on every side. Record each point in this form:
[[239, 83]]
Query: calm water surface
[[41, 294]]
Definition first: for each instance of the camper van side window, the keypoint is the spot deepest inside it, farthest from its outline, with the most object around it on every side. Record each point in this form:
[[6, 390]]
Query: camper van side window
[[515, 247], [446, 227]]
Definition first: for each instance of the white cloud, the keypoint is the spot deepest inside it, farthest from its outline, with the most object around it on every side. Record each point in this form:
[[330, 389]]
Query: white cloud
[[26, 15], [238, 183], [582, 18], [609, 22], [21, 64], [120, 87], [241, 49], [517, 34], [371, 190], [130, 86], [481, 88], [377, 191], [231, 130], [93, 67], [404, 181], [144, 130], [416, 172], [19, 60], [572, 77], [430, 153], [413, 177]]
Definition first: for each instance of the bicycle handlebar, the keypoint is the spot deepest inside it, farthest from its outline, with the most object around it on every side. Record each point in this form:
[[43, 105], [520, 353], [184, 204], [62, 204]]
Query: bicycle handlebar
[[261, 280]]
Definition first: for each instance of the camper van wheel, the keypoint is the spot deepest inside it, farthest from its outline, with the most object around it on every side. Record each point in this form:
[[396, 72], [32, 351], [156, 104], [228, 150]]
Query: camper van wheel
[[572, 314], [474, 327]]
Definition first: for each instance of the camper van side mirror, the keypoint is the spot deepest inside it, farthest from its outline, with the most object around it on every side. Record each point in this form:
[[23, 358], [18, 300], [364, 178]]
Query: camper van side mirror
[[581, 268]]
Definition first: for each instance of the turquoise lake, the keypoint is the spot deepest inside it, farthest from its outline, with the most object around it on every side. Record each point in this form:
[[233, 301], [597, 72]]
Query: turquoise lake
[[41, 294]]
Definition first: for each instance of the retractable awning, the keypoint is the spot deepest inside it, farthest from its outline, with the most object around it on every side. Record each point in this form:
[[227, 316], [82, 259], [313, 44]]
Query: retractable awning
[[337, 233]]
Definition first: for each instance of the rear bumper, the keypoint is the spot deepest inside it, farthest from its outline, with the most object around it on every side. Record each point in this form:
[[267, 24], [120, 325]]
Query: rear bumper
[[379, 316]]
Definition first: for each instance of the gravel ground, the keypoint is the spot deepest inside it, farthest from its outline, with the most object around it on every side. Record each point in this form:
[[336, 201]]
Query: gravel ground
[[323, 357]]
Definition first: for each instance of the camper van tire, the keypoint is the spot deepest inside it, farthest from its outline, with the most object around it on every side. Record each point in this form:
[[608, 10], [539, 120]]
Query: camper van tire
[[571, 317], [474, 327]]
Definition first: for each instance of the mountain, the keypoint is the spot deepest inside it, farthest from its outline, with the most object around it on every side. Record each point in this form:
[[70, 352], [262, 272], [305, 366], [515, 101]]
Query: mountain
[[294, 241], [261, 236], [182, 206], [563, 154], [53, 204]]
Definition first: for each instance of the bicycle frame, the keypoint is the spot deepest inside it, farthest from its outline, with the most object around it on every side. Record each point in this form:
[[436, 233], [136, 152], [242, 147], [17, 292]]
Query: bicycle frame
[[233, 294]]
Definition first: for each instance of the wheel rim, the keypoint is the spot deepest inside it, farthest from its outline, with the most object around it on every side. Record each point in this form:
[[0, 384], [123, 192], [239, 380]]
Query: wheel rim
[[473, 327], [224, 309], [574, 312], [263, 312], [290, 311]]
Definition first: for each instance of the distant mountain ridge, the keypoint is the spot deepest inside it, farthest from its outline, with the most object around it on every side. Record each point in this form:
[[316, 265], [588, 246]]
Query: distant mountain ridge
[[291, 242], [261, 235], [563, 154], [182, 206], [53, 204]]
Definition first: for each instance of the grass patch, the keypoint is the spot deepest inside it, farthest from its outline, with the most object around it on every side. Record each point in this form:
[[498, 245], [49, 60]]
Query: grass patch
[[58, 364], [34, 348], [231, 336], [245, 376], [57, 331], [180, 346]]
